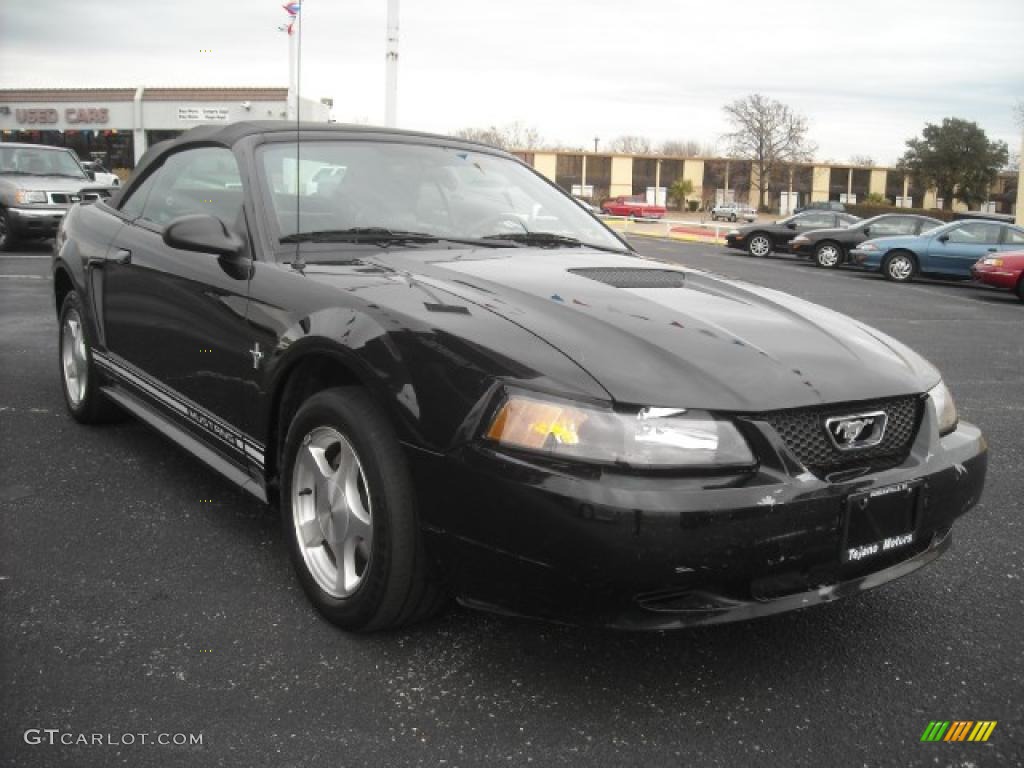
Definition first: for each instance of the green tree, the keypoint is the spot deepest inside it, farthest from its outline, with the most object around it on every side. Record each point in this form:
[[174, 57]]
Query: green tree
[[957, 158], [680, 190]]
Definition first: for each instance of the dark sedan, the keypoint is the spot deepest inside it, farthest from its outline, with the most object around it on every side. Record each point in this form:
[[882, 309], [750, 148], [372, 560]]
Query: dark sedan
[[762, 238], [831, 247], [452, 380]]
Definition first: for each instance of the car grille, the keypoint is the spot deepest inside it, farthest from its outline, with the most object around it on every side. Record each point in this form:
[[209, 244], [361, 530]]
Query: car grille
[[63, 198], [803, 431]]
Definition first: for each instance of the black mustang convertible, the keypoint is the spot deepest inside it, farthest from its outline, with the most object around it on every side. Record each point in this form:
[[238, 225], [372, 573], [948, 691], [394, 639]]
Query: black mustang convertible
[[454, 380]]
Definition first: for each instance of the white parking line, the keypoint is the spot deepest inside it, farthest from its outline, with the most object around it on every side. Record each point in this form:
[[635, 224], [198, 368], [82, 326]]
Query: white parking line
[[24, 277]]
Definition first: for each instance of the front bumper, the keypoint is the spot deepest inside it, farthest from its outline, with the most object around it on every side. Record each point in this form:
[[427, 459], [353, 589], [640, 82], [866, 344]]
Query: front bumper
[[998, 277], [35, 222], [663, 552], [866, 259], [736, 241]]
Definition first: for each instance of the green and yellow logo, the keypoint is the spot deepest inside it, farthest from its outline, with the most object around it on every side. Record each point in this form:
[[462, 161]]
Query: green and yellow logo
[[958, 730]]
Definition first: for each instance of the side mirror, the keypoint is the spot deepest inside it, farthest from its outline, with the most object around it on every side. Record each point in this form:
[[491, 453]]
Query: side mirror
[[202, 233], [791, 224], [91, 174], [867, 230], [943, 238]]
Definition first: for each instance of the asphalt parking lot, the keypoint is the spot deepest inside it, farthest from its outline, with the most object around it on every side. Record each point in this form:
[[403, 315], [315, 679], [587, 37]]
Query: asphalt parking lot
[[143, 594]]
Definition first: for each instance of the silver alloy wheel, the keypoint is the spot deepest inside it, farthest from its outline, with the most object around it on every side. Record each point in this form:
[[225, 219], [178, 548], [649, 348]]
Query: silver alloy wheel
[[828, 256], [74, 358], [759, 246], [900, 267], [331, 511]]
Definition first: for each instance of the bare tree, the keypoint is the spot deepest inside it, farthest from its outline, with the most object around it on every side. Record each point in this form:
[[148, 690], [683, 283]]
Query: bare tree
[[769, 134], [631, 145], [1018, 113], [510, 136], [864, 161], [679, 148]]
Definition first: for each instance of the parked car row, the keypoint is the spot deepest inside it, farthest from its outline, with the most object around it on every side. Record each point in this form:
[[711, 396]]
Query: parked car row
[[900, 246]]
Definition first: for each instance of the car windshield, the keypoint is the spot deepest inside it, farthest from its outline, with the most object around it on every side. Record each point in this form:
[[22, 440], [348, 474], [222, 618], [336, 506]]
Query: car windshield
[[413, 192], [39, 161]]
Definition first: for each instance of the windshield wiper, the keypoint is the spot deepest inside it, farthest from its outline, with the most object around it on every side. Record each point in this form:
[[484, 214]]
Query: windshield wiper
[[359, 235], [551, 240], [379, 236]]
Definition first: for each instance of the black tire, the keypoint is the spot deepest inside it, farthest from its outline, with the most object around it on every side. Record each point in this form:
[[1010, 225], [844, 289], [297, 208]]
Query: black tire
[[1020, 288], [759, 245], [900, 267], [829, 254], [394, 588], [7, 238], [87, 404], [732, 218]]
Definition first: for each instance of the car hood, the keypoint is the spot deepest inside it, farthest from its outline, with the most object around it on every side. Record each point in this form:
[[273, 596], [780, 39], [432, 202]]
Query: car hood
[[893, 241], [47, 183], [708, 342]]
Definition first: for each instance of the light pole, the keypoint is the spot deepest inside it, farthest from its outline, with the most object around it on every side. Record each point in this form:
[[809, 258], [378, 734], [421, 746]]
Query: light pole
[[596, 139]]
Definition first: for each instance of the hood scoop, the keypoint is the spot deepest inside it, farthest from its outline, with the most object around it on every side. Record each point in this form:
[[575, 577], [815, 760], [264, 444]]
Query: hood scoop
[[629, 277]]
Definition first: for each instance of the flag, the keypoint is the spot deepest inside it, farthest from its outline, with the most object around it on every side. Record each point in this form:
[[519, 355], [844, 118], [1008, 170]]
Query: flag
[[292, 9]]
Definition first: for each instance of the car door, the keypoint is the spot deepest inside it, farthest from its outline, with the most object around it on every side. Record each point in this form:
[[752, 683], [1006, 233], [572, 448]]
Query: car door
[[955, 250], [176, 320]]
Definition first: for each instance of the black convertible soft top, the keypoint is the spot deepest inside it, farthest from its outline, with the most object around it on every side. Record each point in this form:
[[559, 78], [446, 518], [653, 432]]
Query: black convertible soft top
[[227, 135]]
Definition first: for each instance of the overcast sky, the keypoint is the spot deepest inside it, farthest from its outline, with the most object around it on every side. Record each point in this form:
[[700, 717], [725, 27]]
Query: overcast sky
[[868, 75]]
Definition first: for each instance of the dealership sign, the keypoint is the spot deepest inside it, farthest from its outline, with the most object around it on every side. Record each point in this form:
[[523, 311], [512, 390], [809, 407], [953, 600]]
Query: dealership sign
[[72, 115], [203, 114]]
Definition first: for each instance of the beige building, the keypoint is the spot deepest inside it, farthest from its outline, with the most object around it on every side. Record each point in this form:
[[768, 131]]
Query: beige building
[[599, 176]]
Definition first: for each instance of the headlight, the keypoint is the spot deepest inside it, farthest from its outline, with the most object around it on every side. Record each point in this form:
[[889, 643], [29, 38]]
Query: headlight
[[30, 196], [992, 262], [651, 438], [734, 233], [869, 246], [945, 408], [800, 239]]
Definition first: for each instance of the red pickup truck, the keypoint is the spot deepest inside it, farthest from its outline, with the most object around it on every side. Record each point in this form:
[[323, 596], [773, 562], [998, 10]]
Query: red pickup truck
[[634, 207]]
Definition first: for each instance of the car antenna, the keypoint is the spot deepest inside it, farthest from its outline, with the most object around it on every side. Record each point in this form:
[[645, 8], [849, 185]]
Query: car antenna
[[297, 262]]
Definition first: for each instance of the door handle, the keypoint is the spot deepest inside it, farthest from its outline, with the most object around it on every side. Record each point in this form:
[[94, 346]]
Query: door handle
[[992, 250], [122, 256]]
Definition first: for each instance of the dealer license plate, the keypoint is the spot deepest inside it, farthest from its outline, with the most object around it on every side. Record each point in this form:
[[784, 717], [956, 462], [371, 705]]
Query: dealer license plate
[[879, 521]]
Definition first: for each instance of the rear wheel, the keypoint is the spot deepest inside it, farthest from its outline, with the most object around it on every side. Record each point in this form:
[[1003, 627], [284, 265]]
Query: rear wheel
[[828, 255], [899, 267], [349, 515], [732, 217], [760, 245], [1020, 288]]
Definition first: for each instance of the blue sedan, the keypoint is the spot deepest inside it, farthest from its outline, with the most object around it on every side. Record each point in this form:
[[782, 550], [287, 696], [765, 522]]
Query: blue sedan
[[949, 250]]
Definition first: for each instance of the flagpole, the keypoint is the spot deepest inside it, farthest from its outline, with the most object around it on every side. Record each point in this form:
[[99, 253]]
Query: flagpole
[[391, 67], [293, 68]]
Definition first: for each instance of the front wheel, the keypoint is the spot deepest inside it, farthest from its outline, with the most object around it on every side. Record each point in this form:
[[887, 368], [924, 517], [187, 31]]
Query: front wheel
[[6, 232], [79, 376], [828, 255], [759, 245], [899, 267], [349, 515], [1020, 288]]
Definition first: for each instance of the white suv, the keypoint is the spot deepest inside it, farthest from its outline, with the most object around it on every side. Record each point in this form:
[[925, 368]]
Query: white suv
[[733, 212]]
